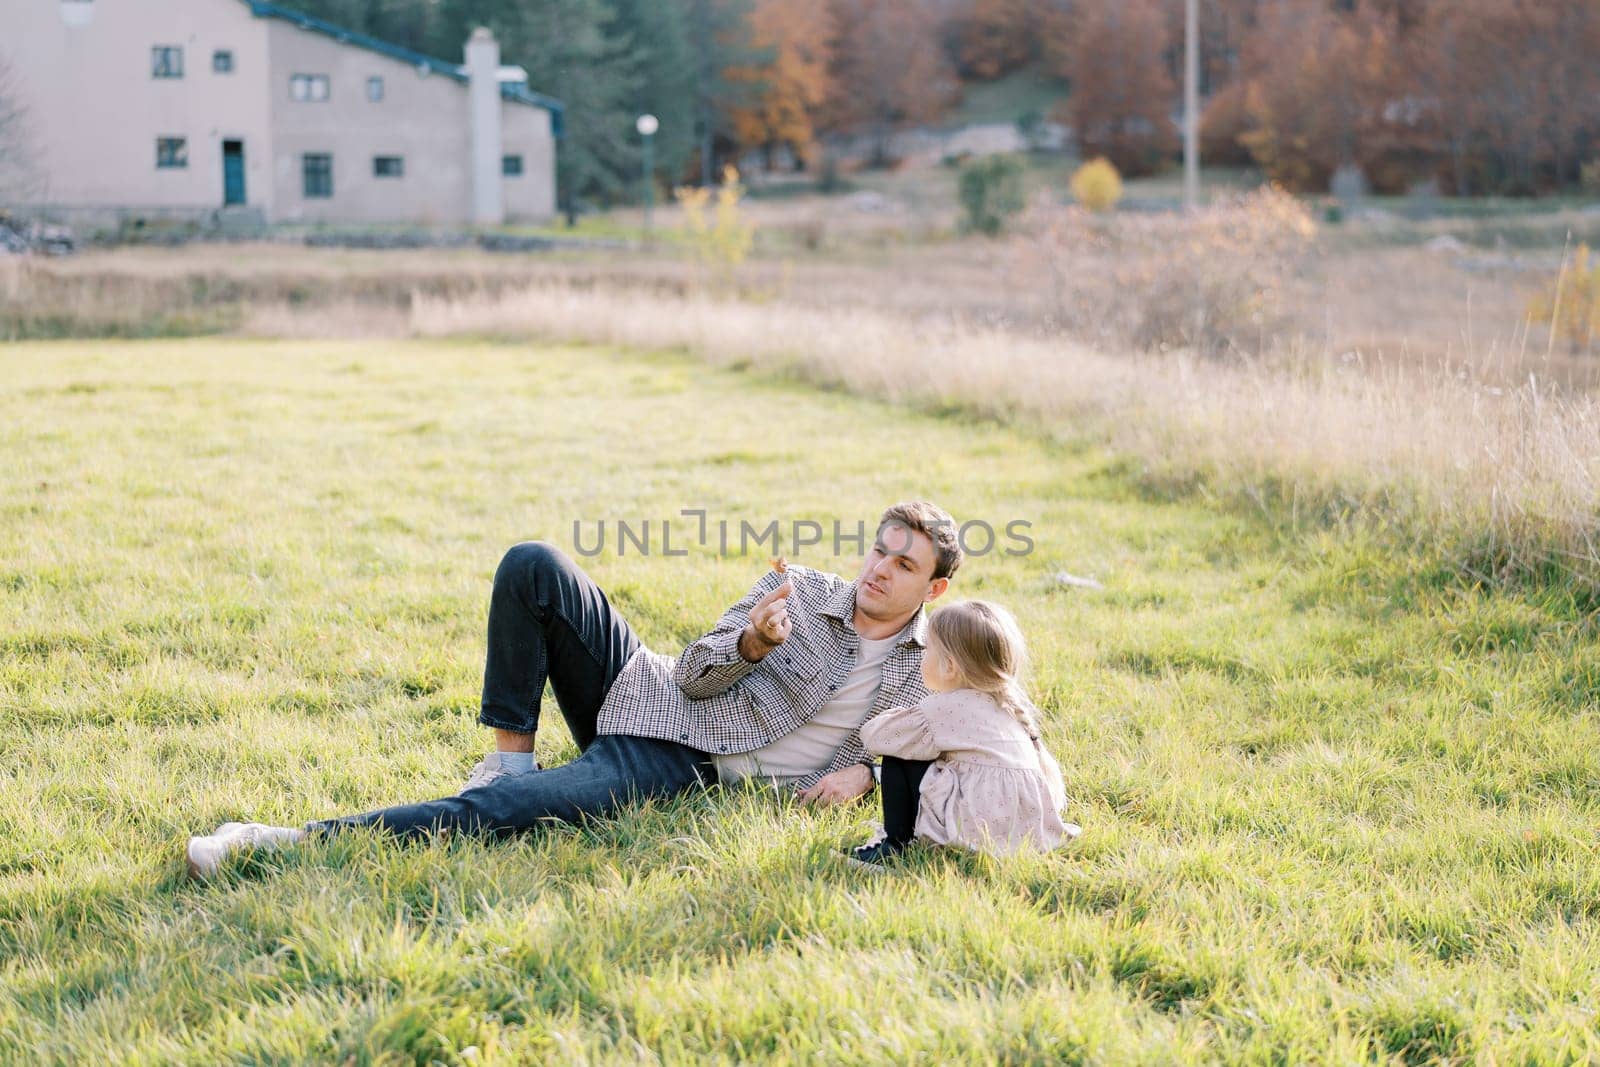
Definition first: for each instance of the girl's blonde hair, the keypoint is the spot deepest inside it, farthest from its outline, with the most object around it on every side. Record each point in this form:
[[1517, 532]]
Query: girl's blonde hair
[[986, 644]]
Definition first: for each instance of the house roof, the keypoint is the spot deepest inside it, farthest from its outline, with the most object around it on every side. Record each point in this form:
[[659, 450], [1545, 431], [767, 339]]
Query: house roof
[[513, 91]]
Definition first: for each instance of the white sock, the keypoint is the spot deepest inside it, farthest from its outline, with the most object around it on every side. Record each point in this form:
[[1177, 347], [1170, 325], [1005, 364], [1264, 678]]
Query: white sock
[[516, 762]]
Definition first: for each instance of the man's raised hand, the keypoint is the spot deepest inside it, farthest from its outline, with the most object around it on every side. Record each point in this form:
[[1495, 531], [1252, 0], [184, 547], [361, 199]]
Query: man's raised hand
[[769, 624]]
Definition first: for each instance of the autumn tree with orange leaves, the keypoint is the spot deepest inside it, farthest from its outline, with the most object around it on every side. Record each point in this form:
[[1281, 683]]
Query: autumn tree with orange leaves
[[796, 81], [1314, 85], [996, 37], [891, 70], [1516, 88], [1484, 95], [1123, 95]]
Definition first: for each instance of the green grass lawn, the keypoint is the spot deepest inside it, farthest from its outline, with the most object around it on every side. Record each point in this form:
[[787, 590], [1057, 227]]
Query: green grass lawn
[[1336, 805]]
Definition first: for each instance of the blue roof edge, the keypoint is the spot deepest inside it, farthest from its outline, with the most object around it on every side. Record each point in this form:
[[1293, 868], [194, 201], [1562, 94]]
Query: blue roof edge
[[508, 90], [523, 95]]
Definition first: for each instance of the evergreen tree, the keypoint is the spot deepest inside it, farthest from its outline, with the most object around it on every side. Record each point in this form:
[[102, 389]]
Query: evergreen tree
[[719, 44], [573, 52], [572, 49], [665, 79], [411, 24]]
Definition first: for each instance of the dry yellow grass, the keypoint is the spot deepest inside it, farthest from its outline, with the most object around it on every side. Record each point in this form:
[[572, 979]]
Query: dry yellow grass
[[347, 318], [1511, 471], [1389, 381]]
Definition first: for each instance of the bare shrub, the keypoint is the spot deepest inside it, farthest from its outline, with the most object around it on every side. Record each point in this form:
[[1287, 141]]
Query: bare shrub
[[719, 233], [19, 169], [1571, 302]]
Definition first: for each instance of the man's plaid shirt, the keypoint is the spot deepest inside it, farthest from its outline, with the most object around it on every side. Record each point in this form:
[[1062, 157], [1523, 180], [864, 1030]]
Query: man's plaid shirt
[[713, 699]]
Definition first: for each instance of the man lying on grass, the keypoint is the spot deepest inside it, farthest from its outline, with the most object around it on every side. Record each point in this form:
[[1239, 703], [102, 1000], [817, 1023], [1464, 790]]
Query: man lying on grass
[[777, 692]]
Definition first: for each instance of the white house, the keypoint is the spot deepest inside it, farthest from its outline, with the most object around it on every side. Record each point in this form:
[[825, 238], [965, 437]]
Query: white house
[[182, 107]]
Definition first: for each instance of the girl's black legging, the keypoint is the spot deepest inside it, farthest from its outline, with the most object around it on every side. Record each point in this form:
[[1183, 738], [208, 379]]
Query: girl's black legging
[[901, 785]]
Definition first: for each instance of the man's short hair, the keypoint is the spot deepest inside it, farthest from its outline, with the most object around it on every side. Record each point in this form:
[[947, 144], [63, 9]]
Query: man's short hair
[[936, 523]]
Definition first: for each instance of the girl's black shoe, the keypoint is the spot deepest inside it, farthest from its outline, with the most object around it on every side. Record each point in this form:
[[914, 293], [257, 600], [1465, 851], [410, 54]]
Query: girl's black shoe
[[877, 856]]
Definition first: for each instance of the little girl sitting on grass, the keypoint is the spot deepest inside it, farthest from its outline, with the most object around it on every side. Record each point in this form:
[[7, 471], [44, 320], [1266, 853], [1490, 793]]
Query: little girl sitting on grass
[[965, 766]]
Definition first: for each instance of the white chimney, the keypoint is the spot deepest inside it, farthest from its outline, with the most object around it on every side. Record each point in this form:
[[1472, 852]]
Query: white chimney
[[483, 100], [77, 12]]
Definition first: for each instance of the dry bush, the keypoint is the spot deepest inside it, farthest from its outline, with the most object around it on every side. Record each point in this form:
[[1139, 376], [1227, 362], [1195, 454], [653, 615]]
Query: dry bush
[[1207, 282], [21, 171], [721, 236], [1571, 302]]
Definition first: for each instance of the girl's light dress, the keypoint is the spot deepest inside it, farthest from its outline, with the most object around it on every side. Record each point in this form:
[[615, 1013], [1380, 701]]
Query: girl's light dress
[[991, 789]]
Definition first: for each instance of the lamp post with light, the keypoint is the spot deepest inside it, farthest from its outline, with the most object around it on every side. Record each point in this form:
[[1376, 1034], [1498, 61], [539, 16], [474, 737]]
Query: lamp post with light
[[647, 125], [1191, 105]]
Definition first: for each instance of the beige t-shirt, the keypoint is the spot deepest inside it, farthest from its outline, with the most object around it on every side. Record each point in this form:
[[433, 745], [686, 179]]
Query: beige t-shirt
[[800, 752]]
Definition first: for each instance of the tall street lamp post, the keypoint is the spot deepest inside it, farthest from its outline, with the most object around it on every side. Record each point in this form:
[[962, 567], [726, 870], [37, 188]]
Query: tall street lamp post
[[647, 125], [1191, 105]]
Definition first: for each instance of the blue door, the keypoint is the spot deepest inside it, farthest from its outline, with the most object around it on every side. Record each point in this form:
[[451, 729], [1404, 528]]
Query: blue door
[[233, 172]]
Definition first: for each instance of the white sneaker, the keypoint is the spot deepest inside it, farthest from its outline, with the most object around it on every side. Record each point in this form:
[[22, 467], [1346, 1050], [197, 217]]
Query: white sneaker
[[487, 770], [205, 854]]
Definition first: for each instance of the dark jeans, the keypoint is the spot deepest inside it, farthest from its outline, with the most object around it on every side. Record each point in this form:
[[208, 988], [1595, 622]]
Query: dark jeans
[[901, 785], [549, 621]]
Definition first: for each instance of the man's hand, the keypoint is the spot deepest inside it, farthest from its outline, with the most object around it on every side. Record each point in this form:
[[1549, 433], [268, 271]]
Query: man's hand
[[769, 624], [840, 786]]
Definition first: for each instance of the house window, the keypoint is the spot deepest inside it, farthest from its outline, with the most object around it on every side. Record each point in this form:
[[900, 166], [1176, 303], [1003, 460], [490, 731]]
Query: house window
[[222, 61], [388, 166], [375, 89], [308, 88], [166, 61], [511, 166], [172, 153], [317, 173]]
